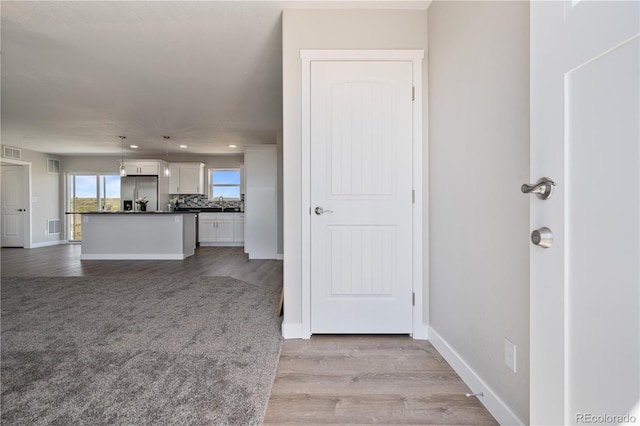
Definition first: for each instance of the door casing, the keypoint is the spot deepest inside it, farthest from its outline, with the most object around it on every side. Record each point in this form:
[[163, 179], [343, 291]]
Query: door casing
[[26, 187], [420, 172]]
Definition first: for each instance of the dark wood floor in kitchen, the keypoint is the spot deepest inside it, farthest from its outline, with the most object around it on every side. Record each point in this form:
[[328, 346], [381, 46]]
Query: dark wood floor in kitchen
[[323, 380], [64, 260]]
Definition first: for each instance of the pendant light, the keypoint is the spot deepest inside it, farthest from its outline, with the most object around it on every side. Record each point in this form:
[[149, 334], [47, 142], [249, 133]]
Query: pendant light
[[123, 171], [167, 171]]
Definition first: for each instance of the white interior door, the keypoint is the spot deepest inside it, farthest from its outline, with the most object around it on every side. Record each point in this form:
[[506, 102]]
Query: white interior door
[[13, 206], [585, 289], [361, 197]]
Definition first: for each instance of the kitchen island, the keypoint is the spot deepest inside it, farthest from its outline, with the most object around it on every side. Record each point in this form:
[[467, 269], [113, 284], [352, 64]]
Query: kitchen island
[[133, 235]]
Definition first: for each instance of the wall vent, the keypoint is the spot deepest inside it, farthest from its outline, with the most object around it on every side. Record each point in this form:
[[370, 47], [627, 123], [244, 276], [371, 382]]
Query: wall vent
[[53, 226], [10, 152], [53, 166]]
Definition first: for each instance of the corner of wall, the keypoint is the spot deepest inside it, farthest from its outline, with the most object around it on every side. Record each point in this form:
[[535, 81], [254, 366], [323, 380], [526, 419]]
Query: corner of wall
[[489, 398]]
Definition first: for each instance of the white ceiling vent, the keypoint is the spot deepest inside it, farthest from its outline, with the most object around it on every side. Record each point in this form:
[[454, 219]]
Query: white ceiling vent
[[10, 152]]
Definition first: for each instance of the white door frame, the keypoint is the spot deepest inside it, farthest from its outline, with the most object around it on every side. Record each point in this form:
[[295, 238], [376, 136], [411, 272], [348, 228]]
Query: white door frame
[[26, 176], [420, 168]]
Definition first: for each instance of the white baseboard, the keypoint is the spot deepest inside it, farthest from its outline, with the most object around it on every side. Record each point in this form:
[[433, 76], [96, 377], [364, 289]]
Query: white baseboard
[[421, 332], [279, 256], [490, 400], [134, 256], [262, 257], [48, 243], [292, 331]]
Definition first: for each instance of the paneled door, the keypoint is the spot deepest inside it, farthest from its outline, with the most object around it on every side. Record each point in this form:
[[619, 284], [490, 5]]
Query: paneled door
[[361, 196], [585, 287], [13, 206]]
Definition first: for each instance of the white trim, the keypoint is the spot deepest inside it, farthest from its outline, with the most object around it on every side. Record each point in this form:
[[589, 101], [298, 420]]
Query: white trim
[[308, 55], [416, 57], [358, 4], [134, 256], [49, 243], [239, 244], [420, 262], [292, 331], [279, 256], [421, 331], [28, 217], [305, 331], [490, 399]]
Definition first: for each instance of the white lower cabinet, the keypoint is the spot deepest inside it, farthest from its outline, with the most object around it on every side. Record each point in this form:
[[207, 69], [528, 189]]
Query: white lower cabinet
[[206, 229], [238, 231], [220, 229], [225, 228]]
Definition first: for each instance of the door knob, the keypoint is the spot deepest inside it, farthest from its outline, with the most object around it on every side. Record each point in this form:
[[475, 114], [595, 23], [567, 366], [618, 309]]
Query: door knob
[[320, 211], [542, 188], [542, 237]]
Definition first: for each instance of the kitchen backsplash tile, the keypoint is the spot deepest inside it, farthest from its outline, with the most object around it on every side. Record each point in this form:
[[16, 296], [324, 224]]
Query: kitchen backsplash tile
[[199, 200]]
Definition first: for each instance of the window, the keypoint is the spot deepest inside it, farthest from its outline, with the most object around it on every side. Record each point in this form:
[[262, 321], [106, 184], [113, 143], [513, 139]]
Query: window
[[88, 193], [225, 183]]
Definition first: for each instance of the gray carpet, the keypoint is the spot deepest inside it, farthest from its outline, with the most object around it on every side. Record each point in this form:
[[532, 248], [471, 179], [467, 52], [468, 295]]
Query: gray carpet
[[130, 351]]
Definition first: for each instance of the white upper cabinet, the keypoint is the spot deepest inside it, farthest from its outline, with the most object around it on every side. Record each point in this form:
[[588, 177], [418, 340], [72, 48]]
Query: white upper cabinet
[[143, 167], [186, 178]]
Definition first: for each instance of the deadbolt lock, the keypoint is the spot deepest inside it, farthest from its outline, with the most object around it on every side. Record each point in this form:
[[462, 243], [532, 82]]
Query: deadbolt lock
[[542, 237]]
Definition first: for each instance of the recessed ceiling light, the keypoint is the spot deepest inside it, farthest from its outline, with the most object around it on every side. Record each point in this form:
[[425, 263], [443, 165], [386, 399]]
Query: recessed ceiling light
[[183, 146], [133, 146], [233, 146]]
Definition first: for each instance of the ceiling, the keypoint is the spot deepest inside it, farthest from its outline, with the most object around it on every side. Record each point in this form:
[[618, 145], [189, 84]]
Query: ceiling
[[76, 75]]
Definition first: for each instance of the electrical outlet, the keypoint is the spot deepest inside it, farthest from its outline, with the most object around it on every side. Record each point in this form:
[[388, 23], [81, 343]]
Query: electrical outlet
[[510, 355]]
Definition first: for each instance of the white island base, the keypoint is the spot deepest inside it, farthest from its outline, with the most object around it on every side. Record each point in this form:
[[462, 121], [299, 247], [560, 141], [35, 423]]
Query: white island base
[[138, 235]]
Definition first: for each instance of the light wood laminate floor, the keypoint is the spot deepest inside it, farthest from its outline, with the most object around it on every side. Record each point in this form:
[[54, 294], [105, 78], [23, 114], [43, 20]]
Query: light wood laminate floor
[[369, 380], [324, 380]]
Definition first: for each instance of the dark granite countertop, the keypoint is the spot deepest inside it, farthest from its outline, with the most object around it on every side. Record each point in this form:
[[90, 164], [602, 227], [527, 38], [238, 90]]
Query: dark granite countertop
[[135, 212]]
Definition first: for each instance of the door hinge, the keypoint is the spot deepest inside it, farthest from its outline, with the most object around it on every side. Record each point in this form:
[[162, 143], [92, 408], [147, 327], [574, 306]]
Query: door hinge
[[413, 196], [413, 299], [413, 93]]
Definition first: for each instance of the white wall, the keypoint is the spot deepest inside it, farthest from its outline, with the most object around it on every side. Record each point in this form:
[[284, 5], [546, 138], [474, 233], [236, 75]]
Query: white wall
[[479, 148], [328, 29]]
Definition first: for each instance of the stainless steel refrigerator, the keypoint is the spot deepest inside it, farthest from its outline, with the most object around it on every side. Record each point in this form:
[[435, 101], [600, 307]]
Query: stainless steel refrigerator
[[133, 188]]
